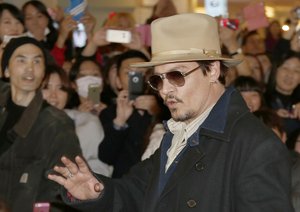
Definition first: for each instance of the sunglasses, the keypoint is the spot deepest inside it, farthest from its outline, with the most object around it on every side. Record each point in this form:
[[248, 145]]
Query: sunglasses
[[174, 77]]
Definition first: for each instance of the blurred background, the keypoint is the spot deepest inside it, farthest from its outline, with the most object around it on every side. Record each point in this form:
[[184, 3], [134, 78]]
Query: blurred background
[[142, 9]]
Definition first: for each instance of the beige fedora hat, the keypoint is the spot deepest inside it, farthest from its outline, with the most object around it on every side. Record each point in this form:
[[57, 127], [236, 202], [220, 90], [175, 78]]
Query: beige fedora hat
[[185, 37]]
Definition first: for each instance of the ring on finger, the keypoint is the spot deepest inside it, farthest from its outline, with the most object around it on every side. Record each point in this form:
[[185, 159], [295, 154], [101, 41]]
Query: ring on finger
[[70, 175]]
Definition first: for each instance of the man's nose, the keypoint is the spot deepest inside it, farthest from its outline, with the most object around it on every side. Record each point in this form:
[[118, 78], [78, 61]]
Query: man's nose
[[167, 87]]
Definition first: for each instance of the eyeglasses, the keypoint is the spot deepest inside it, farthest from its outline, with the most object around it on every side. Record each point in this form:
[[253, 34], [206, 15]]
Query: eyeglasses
[[174, 77]]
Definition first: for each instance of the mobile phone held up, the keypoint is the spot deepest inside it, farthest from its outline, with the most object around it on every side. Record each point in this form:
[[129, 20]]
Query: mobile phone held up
[[41, 207], [229, 23], [94, 91], [118, 36], [79, 36], [135, 84]]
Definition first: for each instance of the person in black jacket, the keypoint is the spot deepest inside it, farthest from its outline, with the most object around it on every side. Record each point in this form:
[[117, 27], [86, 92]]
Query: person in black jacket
[[127, 122], [33, 134]]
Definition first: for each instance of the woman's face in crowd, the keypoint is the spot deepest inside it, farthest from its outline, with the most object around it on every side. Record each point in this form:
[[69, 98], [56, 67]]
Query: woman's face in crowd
[[35, 21], [53, 92], [89, 68], [252, 99], [288, 76], [9, 25]]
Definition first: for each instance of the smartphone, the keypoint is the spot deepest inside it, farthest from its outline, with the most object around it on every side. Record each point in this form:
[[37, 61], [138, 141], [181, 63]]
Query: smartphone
[[135, 84], [77, 8], [118, 36], [229, 23], [94, 91], [79, 36], [41, 207]]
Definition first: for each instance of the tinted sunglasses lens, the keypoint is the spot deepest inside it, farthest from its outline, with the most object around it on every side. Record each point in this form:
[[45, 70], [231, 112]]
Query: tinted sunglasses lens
[[175, 78], [155, 82]]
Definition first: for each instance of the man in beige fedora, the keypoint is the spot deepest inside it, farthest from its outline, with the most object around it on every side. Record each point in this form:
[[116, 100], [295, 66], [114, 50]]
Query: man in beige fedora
[[215, 155]]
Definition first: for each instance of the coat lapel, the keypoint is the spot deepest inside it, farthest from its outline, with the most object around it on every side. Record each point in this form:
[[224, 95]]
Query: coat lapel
[[191, 159]]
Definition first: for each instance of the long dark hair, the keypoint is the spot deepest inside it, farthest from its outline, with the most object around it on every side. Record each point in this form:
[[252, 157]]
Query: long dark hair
[[272, 79], [66, 85], [13, 10]]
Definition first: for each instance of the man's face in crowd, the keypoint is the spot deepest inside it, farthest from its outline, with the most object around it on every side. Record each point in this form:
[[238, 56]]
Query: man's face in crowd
[[26, 69], [195, 96]]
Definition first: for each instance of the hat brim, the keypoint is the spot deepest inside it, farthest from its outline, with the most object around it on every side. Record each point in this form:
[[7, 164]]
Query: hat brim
[[229, 62]]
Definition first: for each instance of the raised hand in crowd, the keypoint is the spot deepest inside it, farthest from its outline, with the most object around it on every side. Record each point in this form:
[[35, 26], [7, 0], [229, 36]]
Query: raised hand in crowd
[[89, 22], [89, 106], [67, 25], [99, 37], [229, 38], [124, 108]]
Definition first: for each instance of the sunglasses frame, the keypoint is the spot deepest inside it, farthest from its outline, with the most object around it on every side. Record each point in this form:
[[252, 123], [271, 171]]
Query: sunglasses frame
[[164, 76]]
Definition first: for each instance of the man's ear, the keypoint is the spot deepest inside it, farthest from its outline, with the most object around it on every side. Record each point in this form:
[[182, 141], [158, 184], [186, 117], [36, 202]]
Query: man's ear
[[214, 71], [6, 73]]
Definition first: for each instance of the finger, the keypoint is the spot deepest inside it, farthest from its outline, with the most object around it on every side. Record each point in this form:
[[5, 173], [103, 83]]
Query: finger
[[82, 165], [64, 171], [56, 178], [72, 167], [98, 187]]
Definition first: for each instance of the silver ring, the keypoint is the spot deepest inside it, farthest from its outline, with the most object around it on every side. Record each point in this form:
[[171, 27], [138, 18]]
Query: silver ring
[[70, 175]]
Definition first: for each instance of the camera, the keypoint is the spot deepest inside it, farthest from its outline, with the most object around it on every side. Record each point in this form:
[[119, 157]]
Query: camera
[[135, 84], [118, 36], [94, 91]]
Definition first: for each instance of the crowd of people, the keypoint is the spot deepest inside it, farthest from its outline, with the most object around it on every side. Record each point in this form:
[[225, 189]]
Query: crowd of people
[[69, 115]]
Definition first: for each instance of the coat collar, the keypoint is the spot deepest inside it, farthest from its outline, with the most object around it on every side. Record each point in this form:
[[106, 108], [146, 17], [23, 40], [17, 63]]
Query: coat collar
[[218, 125], [29, 116], [220, 121]]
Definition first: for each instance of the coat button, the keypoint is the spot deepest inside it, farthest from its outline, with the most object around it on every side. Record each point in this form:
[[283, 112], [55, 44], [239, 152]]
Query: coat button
[[191, 203], [200, 166]]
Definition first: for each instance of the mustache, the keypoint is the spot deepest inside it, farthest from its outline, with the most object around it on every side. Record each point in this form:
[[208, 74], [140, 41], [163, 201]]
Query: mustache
[[172, 97]]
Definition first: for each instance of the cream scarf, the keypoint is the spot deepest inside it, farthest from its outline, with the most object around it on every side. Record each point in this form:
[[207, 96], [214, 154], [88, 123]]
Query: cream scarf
[[181, 133]]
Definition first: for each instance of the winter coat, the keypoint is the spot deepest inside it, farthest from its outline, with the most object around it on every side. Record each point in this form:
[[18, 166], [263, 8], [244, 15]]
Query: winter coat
[[233, 163], [39, 139]]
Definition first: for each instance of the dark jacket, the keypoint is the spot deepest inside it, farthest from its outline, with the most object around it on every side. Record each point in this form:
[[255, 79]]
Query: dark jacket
[[233, 163], [123, 148], [41, 136]]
